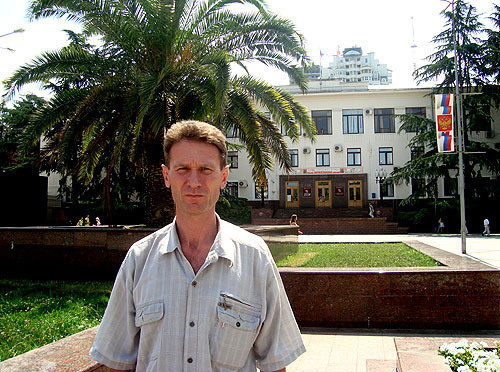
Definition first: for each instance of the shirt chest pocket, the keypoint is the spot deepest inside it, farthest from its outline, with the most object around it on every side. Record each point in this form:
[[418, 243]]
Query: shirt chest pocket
[[236, 330], [147, 318]]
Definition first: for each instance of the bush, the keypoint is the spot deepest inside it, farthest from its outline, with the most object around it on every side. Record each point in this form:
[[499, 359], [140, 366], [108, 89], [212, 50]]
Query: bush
[[233, 209]]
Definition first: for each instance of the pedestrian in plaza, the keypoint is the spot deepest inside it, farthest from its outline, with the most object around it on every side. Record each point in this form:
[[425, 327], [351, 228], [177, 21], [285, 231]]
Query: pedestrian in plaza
[[293, 222], [87, 221], [200, 294], [371, 209], [97, 221], [440, 228], [486, 224], [80, 222]]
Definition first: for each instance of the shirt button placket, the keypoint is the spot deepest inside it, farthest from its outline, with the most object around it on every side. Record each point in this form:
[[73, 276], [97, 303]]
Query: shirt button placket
[[191, 332]]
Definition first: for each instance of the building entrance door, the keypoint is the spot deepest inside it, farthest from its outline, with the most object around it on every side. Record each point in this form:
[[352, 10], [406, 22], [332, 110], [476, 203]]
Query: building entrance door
[[355, 195], [323, 194], [292, 194]]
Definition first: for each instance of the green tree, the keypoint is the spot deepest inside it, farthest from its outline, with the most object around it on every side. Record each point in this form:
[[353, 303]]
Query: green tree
[[478, 71], [158, 62], [18, 149]]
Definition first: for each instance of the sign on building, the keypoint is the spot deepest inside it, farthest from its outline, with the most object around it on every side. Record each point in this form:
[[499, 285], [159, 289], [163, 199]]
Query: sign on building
[[443, 104]]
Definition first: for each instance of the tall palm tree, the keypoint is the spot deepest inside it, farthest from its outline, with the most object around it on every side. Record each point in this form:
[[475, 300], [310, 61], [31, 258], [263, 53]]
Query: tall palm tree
[[157, 62]]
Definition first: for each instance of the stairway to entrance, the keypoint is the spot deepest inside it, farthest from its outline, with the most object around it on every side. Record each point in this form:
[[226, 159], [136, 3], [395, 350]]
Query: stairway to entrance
[[331, 221]]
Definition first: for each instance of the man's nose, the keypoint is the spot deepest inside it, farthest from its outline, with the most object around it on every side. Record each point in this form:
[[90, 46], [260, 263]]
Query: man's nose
[[194, 179]]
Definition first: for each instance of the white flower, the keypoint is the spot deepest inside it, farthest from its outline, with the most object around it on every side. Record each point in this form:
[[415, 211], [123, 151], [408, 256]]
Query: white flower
[[464, 369]]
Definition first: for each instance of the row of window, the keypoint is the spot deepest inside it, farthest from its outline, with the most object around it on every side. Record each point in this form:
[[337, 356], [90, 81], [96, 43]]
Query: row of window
[[352, 120], [353, 157], [385, 156], [323, 157]]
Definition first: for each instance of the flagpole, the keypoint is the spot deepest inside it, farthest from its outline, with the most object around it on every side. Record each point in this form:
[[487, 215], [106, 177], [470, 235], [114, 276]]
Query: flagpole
[[461, 183]]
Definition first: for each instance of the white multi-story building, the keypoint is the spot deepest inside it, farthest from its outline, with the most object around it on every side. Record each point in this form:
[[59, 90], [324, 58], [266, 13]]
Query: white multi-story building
[[353, 67], [358, 139]]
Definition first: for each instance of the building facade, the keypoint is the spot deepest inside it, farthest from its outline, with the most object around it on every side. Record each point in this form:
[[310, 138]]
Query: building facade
[[358, 139], [353, 67]]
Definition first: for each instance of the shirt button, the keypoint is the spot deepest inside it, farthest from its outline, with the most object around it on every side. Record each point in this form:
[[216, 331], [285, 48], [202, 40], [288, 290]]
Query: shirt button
[[190, 360], [191, 324], [238, 324], [193, 283]]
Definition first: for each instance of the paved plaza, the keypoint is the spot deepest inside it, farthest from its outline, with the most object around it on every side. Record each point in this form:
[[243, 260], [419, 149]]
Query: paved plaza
[[375, 351]]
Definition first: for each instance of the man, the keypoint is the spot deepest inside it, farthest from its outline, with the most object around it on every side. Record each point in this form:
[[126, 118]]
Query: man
[[199, 294], [486, 224]]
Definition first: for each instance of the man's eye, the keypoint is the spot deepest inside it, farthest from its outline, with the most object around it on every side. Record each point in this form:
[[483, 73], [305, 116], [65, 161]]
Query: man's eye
[[206, 170]]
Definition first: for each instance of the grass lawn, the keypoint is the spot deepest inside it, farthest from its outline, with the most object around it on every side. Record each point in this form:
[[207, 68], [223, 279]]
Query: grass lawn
[[357, 255], [35, 313]]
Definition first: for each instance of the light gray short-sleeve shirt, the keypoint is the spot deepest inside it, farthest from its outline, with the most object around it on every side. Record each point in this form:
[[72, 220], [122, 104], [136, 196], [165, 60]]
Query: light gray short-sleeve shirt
[[233, 315]]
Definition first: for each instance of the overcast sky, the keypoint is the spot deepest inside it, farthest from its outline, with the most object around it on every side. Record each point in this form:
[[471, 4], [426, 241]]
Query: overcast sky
[[380, 26]]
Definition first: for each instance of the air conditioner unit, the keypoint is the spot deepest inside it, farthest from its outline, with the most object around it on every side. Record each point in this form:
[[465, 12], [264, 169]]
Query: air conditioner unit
[[490, 134], [337, 148], [243, 183], [368, 111], [306, 150]]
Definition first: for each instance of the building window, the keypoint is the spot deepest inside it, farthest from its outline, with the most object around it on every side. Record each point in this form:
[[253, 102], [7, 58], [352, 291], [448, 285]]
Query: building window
[[232, 133], [352, 121], [323, 121], [450, 186], [353, 156], [416, 152], [258, 190], [385, 156], [417, 185], [294, 155], [283, 129], [384, 120], [232, 188], [232, 159], [418, 111], [323, 158], [388, 189]]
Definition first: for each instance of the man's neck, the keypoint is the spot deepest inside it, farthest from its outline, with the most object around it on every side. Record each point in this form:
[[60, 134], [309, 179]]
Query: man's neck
[[196, 236]]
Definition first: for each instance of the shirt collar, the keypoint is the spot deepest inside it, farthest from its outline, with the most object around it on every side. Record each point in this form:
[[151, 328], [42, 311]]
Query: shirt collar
[[223, 245]]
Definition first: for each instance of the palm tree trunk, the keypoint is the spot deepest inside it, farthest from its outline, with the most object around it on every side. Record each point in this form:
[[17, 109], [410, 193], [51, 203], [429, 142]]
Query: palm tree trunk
[[160, 207], [106, 199]]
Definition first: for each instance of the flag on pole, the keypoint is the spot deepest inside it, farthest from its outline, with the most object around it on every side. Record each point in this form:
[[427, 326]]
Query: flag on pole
[[443, 105]]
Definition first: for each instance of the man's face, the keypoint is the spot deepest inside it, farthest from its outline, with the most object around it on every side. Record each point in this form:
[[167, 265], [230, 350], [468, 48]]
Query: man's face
[[195, 177]]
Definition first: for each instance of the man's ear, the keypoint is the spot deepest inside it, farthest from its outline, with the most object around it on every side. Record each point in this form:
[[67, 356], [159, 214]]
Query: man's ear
[[164, 169], [225, 174]]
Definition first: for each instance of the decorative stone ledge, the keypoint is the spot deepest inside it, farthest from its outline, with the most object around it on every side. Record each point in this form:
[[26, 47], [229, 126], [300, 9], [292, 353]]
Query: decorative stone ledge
[[71, 354]]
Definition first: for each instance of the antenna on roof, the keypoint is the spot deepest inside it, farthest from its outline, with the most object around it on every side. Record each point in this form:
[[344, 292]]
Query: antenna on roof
[[413, 33], [413, 46]]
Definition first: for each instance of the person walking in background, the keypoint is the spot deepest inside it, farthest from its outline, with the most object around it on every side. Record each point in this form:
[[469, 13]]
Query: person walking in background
[[80, 222], [440, 228], [486, 224], [293, 222], [97, 221], [200, 294], [371, 212], [87, 221]]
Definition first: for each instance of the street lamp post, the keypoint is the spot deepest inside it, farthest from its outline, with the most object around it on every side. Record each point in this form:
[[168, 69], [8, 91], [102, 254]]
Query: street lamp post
[[380, 177], [13, 32], [19, 30]]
